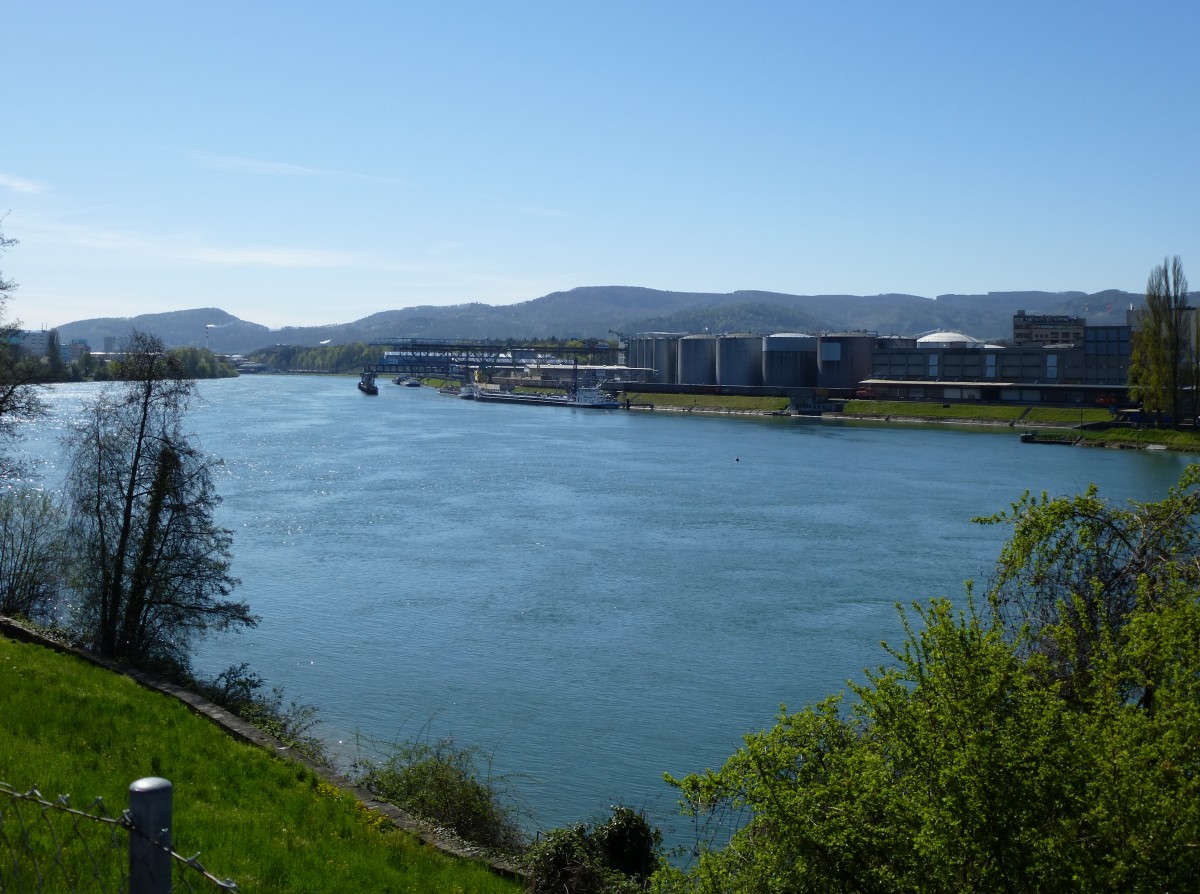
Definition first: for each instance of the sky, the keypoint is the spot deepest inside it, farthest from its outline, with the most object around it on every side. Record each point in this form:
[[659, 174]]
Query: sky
[[307, 163]]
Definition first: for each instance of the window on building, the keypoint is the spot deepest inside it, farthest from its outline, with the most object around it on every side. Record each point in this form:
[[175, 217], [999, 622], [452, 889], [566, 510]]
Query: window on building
[[933, 366]]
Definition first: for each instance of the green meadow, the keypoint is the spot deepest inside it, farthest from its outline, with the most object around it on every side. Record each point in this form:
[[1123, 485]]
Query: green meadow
[[708, 402], [269, 824]]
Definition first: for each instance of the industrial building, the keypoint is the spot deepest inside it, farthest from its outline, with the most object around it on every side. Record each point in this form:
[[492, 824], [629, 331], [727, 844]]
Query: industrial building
[[1046, 329], [1091, 369], [750, 362], [32, 342], [1052, 359]]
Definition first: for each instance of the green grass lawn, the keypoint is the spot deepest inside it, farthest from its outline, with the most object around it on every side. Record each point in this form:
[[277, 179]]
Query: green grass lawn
[[977, 412], [1185, 441], [269, 824], [933, 410], [707, 401], [1067, 416]]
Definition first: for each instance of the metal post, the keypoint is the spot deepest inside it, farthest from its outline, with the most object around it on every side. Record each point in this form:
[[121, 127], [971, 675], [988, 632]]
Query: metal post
[[150, 840]]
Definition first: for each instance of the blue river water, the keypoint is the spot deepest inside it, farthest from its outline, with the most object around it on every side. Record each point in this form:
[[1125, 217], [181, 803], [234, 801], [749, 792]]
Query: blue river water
[[593, 597]]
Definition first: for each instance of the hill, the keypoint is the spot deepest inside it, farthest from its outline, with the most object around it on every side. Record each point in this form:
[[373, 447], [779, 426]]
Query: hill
[[595, 311]]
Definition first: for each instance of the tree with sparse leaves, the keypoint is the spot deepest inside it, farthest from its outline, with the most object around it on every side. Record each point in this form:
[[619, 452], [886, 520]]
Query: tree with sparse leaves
[[149, 563], [19, 398], [7, 286], [31, 552]]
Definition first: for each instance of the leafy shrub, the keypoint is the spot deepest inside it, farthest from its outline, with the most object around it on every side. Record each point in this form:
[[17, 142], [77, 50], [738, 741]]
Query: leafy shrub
[[241, 691], [629, 843], [568, 860], [1043, 741], [613, 857], [442, 782]]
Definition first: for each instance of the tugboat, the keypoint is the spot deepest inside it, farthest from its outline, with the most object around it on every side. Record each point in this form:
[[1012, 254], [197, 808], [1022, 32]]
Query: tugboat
[[366, 384]]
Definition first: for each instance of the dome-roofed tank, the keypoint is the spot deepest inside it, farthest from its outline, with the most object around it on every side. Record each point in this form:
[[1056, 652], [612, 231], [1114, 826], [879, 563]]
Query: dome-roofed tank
[[948, 340]]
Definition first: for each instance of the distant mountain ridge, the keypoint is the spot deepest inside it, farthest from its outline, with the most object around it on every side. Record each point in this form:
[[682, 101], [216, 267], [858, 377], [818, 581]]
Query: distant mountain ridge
[[596, 311]]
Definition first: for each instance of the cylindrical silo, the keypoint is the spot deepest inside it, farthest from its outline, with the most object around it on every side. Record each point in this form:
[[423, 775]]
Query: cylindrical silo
[[739, 360], [635, 352], [789, 360], [665, 353], [697, 360], [844, 359], [654, 351]]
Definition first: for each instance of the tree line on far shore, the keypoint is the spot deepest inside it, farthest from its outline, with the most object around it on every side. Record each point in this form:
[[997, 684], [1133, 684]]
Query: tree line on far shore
[[196, 363]]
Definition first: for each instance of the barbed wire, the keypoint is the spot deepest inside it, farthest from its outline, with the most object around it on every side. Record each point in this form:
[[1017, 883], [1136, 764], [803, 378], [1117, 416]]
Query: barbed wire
[[39, 861]]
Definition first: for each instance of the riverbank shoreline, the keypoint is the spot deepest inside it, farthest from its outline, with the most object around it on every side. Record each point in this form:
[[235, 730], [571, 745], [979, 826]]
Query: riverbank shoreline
[[1072, 435]]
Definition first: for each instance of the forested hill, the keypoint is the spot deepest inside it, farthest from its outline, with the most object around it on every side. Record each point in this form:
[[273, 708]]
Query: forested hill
[[594, 311]]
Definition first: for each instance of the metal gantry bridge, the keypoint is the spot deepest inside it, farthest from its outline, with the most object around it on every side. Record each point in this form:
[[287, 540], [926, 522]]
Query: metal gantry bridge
[[453, 358]]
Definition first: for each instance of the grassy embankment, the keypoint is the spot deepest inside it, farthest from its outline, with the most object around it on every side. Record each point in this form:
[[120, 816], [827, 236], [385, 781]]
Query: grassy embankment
[[990, 413], [711, 403], [1066, 419], [269, 824], [1063, 419]]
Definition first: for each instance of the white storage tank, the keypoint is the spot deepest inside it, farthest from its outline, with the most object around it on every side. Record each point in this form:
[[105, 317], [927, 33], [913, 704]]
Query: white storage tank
[[697, 360], [739, 360], [790, 360]]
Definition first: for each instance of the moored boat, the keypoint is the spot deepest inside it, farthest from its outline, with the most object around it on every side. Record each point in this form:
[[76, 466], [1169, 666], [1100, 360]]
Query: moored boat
[[586, 398], [1064, 440]]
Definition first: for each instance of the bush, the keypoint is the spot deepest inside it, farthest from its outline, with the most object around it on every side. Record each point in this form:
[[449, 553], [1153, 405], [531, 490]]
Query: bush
[[442, 782], [616, 856], [242, 692], [1043, 741], [629, 843]]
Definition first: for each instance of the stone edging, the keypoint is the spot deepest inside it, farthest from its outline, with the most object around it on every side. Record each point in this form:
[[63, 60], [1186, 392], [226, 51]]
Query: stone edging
[[442, 839]]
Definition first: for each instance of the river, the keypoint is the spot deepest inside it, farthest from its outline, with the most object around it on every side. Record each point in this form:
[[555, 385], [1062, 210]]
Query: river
[[593, 597]]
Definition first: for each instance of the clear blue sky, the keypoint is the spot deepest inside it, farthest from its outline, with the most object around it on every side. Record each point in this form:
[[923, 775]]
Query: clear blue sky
[[306, 163]]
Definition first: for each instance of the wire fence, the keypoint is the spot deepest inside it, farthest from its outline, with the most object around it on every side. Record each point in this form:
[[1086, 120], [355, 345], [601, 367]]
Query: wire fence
[[50, 845]]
